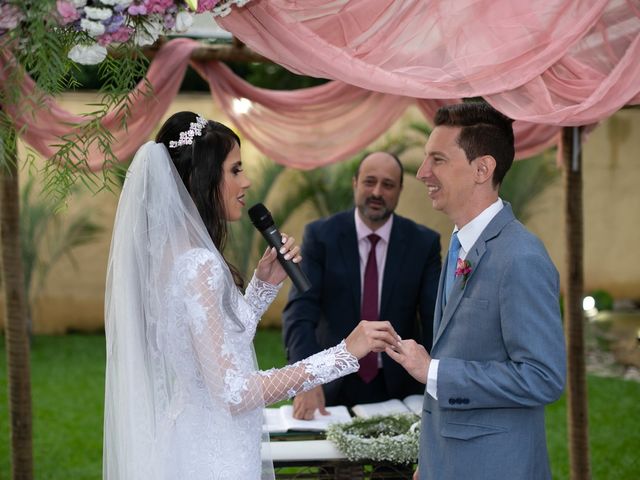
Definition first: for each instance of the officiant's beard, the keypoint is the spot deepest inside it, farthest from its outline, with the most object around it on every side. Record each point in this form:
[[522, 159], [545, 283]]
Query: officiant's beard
[[377, 216]]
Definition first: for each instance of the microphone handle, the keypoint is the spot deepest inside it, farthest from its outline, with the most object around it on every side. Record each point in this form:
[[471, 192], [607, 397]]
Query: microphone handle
[[293, 270]]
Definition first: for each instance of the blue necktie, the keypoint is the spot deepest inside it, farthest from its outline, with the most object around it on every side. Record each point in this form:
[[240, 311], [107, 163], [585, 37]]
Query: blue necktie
[[452, 261]]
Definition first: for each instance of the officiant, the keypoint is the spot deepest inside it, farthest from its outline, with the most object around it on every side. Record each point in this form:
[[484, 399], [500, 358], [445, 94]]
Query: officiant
[[365, 263]]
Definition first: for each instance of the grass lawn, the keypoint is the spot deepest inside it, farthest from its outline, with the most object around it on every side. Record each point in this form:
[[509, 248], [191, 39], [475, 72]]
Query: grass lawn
[[68, 378]]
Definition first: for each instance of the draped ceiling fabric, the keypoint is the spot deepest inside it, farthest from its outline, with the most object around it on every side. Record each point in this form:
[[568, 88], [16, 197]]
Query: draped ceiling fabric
[[558, 62], [546, 63]]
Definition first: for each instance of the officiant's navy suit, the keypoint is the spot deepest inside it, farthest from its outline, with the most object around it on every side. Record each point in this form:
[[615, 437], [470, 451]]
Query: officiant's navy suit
[[330, 310], [500, 346]]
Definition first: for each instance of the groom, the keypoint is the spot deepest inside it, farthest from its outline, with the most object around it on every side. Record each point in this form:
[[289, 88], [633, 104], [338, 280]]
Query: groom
[[498, 354]]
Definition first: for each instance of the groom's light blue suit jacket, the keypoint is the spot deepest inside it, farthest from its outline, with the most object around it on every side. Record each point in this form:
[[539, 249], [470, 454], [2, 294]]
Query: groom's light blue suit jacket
[[501, 348]]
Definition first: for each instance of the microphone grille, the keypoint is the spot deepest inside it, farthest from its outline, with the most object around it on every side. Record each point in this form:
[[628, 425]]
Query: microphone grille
[[260, 216]]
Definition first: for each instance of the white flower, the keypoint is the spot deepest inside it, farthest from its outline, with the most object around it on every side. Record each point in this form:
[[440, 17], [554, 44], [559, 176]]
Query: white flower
[[183, 21], [98, 13], [148, 33], [88, 54], [79, 3], [94, 29]]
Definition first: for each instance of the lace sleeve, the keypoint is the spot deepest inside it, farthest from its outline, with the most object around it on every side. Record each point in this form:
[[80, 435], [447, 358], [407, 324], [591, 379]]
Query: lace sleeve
[[318, 369], [260, 294], [224, 349]]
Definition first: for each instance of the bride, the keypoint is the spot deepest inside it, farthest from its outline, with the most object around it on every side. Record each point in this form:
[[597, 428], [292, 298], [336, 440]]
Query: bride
[[183, 395]]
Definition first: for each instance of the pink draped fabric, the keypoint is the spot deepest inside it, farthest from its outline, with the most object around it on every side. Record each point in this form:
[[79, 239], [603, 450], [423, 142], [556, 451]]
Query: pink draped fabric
[[557, 62], [309, 127], [546, 63], [42, 126], [305, 128]]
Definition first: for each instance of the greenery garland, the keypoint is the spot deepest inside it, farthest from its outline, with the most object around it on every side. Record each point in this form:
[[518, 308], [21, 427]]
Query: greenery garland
[[391, 438]]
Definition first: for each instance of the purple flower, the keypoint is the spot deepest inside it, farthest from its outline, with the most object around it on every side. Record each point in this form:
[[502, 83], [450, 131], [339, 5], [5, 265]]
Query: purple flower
[[114, 23], [137, 10], [169, 21]]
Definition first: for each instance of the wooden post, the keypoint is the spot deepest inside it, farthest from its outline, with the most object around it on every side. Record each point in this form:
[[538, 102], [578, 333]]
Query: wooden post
[[17, 338], [577, 411]]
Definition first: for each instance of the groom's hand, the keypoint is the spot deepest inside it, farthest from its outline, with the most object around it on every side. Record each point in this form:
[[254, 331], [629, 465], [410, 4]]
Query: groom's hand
[[306, 403], [413, 357]]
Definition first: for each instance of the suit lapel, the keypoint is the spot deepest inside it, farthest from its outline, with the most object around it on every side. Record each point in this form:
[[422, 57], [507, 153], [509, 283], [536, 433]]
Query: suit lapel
[[474, 257], [393, 264], [348, 246]]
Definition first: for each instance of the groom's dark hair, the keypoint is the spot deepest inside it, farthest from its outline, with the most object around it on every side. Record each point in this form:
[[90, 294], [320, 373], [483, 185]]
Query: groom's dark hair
[[484, 131]]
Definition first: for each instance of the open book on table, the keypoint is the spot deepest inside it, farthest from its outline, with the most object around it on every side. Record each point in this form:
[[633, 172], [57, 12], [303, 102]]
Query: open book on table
[[410, 404], [280, 420]]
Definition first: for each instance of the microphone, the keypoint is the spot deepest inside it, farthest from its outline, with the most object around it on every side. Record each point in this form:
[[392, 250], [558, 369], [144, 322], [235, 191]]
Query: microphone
[[263, 221]]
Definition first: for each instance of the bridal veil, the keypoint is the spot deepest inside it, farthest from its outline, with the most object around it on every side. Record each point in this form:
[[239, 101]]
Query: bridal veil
[[156, 223]]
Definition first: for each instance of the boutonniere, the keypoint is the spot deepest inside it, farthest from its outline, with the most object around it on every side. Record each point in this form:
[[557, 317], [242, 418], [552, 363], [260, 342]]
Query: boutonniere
[[463, 269]]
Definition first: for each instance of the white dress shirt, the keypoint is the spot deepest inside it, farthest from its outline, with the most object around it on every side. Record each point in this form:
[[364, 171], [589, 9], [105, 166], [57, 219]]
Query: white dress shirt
[[468, 235]]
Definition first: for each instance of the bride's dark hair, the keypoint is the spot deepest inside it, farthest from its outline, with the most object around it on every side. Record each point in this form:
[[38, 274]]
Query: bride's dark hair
[[200, 168]]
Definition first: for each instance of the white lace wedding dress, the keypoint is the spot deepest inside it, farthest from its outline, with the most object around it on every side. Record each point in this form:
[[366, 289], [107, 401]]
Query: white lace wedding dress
[[183, 394], [214, 424]]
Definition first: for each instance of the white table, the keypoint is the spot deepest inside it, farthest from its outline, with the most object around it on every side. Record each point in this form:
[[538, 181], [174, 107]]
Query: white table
[[302, 450], [321, 460]]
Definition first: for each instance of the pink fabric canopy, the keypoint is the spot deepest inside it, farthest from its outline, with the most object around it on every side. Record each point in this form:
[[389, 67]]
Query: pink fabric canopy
[[546, 63], [304, 128], [558, 62]]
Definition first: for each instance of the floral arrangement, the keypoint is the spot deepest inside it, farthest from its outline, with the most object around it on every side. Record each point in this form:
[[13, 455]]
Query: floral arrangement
[[142, 21], [391, 438], [463, 269], [101, 23]]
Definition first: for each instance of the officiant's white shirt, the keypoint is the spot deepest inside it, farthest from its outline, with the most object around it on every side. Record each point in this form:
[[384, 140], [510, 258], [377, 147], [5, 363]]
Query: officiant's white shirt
[[467, 236]]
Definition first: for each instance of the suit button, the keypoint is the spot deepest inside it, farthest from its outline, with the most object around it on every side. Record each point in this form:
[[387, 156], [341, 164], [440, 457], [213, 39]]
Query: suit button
[[452, 401], [465, 401]]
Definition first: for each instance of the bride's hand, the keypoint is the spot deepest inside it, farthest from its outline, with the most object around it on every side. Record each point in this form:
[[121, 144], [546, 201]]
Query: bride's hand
[[269, 269]]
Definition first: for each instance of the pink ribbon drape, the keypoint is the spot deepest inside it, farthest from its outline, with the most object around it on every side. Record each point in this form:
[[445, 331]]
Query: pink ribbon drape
[[43, 125], [557, 62], [546, 63], [309, 127], [305, 128]]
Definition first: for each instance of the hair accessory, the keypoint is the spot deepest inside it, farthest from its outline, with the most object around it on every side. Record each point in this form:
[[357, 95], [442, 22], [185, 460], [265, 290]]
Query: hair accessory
[[186, 138]]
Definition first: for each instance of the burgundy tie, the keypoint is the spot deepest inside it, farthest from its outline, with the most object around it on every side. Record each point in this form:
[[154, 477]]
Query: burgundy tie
[[369, 363]]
